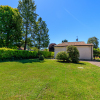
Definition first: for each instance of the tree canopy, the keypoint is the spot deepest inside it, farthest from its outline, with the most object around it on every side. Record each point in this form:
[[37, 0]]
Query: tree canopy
[[40, 35], [27, 10], [10, 26], [18, 26], [51, 47], [94, 41], [64, 40]]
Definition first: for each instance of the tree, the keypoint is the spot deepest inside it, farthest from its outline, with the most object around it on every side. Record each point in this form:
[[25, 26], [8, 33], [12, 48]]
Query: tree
[[10, 26], [40, 34], [93, 40], [27, 10], [51, 47], [64, 40]]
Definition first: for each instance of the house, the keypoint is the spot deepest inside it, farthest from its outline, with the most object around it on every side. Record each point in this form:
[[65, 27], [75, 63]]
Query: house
[[85, 50], [21, 48]]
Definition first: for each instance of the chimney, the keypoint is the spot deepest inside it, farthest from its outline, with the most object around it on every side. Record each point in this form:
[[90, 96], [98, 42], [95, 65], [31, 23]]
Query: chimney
[[77, 39]]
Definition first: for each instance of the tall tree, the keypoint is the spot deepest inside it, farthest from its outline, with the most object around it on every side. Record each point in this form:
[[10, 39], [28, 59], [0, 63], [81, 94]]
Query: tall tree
[[40, 34], [10, 26], [94, 41], [64, 40], [27, 10]]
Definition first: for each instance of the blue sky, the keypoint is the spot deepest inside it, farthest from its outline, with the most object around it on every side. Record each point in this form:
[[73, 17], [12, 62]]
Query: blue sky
[[67, 19]]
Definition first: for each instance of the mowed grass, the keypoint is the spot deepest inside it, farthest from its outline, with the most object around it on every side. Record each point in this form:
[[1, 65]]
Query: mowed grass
[[49, 80]]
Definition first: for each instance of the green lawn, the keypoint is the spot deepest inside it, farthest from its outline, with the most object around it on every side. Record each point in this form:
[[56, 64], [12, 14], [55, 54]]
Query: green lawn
[[48, 80]]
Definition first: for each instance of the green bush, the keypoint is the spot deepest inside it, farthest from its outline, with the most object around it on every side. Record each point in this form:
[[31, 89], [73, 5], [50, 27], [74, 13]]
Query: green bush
[[46, 54], [41, 57], [52, 54], [13, 54], [62, 56], [73, 53], [96, 52], [34, 49]]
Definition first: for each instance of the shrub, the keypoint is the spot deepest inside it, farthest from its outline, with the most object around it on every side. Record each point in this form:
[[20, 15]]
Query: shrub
[[96, 52], [13, 54], [46, 54], [62, 56], [52, 54], [41, 57], [34, 49], [46, 50], [73, 53]]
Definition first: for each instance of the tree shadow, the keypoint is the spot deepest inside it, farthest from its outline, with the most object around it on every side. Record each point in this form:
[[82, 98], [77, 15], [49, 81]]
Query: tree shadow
[[25, 61], [80, 63], [71, 62]]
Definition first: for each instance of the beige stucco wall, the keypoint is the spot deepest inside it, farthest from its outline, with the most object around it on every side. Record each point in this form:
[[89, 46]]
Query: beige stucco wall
[[58, 49], [84, 51]]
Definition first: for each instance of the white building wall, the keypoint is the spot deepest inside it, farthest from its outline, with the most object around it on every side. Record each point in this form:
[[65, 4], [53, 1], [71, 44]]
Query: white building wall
[[58, 49], [84, 51]]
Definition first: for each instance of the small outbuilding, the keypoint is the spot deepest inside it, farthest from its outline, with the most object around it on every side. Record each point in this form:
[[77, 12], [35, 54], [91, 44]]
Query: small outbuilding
[[85, 50]]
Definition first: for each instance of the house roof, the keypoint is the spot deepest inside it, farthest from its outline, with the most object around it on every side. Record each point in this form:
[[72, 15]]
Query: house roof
[[21, 48], [64, 44]]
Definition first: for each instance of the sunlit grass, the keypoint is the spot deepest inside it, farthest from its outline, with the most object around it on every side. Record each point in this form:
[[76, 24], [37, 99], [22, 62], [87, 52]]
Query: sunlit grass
[[49, 80]]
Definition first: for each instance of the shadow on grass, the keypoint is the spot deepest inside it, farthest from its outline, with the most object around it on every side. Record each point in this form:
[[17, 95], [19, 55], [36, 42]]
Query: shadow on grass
[[80, 63], [25, 61], [70, 62]]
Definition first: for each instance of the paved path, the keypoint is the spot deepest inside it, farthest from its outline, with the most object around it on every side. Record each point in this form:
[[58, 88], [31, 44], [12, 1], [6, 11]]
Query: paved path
[[94, 62]]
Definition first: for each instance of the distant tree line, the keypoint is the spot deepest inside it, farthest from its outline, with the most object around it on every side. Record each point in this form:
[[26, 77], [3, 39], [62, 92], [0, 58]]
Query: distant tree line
[[64, 40], [95, 42]]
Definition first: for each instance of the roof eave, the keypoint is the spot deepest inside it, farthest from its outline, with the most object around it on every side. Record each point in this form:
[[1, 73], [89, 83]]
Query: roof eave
[[73, 45]]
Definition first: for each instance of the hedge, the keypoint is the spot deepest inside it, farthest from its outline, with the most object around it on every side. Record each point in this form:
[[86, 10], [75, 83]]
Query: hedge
[[46, 54], [13, 54]]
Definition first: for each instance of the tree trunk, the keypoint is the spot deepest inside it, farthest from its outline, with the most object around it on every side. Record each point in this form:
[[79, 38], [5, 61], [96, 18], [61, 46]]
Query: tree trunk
[[26, 36]]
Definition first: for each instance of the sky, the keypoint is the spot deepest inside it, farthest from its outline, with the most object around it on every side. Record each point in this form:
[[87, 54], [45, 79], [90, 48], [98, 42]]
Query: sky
[[67, 19]]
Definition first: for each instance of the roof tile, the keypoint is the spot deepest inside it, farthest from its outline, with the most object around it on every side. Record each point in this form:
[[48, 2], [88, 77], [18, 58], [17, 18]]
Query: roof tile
[[73, 43]]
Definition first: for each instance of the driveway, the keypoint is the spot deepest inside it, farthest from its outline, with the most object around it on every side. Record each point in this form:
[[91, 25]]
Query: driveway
[[94, 62]]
